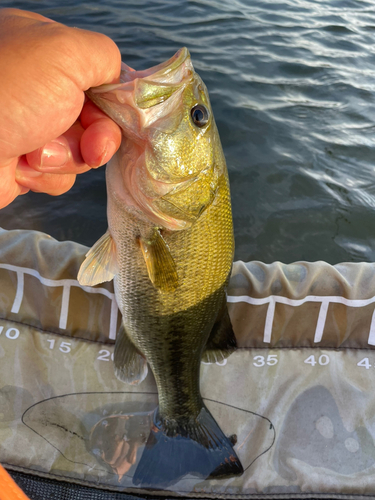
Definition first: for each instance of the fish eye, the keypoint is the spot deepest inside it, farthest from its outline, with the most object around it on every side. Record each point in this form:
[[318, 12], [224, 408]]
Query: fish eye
[[200, 115]]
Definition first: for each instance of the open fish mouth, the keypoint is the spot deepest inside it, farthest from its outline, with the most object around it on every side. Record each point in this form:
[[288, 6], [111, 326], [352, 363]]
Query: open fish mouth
[[165, 76], [166, 72]]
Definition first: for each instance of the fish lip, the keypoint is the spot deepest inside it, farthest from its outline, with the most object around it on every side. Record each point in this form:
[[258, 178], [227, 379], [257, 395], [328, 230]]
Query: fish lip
[[176, 72], [129, 74]]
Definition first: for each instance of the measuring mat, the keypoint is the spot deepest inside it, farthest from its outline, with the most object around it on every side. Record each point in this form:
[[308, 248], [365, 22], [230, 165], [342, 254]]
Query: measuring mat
[[297, 396]]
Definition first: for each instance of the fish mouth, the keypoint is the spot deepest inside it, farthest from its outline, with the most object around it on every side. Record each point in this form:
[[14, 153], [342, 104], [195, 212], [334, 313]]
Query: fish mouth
[[165, 72], [133, 102], [144, 104]]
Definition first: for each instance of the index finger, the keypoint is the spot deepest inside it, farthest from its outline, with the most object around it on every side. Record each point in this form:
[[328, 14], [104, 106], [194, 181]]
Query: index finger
[[25, 13]]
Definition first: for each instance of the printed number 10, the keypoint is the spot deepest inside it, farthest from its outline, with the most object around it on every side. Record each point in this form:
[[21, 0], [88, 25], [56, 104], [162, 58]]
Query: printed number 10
[[11, 333]]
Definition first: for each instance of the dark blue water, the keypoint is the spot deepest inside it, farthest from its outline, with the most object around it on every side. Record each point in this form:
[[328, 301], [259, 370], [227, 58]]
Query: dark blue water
[[292, 85]]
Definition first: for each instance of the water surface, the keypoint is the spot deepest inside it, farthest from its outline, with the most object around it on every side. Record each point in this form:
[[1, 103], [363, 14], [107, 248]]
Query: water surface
[[293, 92]]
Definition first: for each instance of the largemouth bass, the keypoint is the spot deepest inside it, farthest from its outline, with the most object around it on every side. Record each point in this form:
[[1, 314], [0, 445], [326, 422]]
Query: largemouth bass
[[169, 248]]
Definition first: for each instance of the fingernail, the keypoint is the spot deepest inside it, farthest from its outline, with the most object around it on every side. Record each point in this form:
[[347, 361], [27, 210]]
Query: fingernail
[[26, 171], [54, 154], [24, 190], [109, 151]]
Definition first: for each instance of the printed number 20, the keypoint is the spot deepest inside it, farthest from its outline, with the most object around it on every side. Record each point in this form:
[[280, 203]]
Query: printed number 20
[[105, 355], [259, 361]]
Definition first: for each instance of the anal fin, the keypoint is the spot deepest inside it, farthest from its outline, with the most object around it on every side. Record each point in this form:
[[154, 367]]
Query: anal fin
[[100, 263], [222, 341], [161, 267], [130, 365]]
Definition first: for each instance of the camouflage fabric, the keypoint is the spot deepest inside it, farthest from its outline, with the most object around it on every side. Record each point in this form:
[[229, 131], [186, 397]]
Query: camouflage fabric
[[297, 393]]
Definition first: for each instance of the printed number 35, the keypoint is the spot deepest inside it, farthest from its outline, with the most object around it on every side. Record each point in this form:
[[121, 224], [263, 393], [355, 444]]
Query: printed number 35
[[261, 360]]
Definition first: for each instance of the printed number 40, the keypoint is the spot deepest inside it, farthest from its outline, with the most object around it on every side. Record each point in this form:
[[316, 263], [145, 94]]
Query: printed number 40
[[259, 361], [322, 360]]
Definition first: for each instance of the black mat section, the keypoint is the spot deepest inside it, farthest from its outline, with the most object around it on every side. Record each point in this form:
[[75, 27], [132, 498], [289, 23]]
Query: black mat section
[[40, 488]]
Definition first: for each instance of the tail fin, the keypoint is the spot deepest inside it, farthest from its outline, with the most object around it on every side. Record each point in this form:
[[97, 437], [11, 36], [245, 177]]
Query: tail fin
[[192, 446]]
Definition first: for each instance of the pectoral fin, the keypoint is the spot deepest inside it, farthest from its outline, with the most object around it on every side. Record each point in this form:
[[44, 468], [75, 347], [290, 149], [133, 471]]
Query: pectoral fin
[[100, 263], [159, 261], [221, 342], [130, 365]]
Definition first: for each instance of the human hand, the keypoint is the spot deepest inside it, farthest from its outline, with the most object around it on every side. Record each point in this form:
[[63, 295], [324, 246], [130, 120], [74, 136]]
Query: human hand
[[48, 133]]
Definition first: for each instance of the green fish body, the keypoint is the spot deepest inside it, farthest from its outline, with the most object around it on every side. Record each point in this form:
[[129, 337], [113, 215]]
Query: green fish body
[[170, 248]]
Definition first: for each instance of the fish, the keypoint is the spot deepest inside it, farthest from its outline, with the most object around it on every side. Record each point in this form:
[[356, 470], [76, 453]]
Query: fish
[[169, 248]]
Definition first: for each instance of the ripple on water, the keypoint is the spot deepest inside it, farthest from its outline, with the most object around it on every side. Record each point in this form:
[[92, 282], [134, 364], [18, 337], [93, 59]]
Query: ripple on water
[[293, 92]]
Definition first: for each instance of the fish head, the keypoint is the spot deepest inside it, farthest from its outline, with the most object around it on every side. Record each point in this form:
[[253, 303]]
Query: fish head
[[171, 158]]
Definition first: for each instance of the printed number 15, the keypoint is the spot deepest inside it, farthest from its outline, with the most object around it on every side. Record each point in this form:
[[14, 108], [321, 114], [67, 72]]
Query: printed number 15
[[261, 361]]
